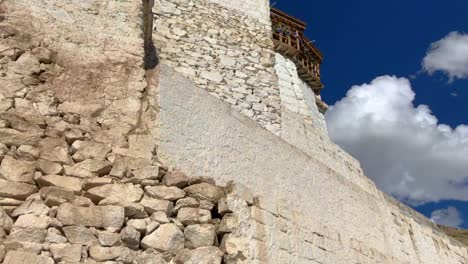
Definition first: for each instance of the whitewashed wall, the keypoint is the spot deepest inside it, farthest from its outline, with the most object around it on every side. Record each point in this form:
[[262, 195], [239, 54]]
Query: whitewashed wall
[[307, 212]]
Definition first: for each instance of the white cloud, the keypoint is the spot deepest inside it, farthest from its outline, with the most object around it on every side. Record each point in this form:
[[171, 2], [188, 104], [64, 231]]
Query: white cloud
[[401, 146], [447, 217], [449, 55]]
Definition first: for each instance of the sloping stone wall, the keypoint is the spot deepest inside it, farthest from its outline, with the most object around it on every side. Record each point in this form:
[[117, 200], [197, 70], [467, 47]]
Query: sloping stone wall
[[306, 212], [225, 52]]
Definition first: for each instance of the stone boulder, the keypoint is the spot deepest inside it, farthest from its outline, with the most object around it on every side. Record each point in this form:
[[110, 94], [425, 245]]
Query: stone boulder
[[124, 193], [16, 190], [17, 170], [149, 257], [121, 254], [79, 235], [66, 252], [205, 191], [153, 205], [17, 257], [33, 221], [31, 206], [199, 236], [166, 193], [109, 239], [66, 182], [203, 255], [55, 150], [90, 150], [28, 235], [5, 221], [95, 216], [191, 216], [175, 178], [130, 237], [167, 237]]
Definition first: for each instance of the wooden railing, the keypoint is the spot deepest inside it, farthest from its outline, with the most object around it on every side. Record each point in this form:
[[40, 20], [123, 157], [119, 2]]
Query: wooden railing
[[303, 54], [289, 39]]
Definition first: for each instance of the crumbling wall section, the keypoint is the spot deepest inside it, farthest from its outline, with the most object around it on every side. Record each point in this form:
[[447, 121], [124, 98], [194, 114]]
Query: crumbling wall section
[[80, 178], [224, 51]]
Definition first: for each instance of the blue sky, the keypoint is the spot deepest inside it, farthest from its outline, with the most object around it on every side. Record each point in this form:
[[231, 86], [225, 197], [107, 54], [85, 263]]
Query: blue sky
[[365, 39]]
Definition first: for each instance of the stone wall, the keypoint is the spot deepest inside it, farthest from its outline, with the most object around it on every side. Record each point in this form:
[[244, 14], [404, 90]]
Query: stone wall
[[80, 181], [225, 52], [306, 212], [96, 143], [303, 126], [259, 10], [297, 96]]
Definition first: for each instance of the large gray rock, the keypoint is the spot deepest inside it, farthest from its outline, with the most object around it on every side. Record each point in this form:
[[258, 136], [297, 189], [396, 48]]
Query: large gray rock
[[69, 183], [205, 191], [203, 255], [80, 235], [171, 193], [66, 252], [199, 236], [167, 238], [96, 216], [17, 171], [16, 190], [191, 216], [21, 257], [123, 193]]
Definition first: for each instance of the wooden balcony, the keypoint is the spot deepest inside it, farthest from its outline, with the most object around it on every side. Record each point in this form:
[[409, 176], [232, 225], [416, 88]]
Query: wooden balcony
[[290, 41]]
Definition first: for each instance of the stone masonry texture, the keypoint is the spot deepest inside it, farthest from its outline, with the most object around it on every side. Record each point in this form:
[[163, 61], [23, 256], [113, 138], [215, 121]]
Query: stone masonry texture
[[227, 53], [174, 134]]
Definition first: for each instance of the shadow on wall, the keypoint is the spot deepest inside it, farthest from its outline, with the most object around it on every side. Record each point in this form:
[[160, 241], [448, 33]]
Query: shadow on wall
[[151, 59]]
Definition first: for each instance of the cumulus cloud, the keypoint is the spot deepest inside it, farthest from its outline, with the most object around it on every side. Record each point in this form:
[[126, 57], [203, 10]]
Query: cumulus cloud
[[449, 55], [402, 147], [447, 217]]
